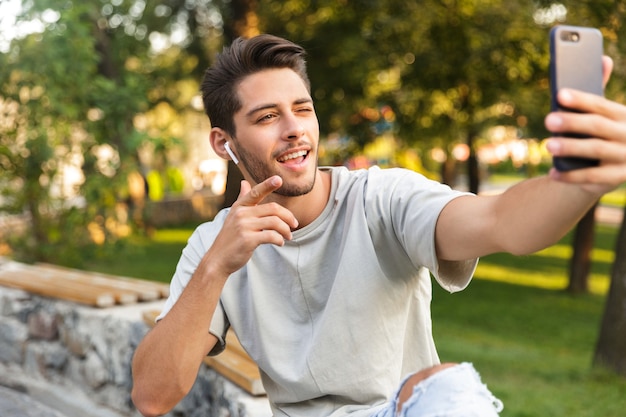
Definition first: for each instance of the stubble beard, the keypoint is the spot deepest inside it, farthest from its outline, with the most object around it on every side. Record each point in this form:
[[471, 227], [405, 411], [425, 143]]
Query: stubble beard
[[260, 171]]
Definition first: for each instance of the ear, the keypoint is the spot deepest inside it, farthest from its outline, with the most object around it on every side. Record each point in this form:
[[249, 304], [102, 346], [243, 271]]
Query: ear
[[218, 138]]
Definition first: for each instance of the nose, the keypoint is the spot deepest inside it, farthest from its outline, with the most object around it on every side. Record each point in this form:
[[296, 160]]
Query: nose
[[293, 129]]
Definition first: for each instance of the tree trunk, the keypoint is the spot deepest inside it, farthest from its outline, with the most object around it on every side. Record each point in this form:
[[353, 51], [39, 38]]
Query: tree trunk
[[448, 171], [473, 175], [580, 263], [243, 22], [611, 346]]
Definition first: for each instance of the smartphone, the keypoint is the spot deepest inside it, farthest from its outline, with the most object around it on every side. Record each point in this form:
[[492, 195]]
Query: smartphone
[[575, 62]]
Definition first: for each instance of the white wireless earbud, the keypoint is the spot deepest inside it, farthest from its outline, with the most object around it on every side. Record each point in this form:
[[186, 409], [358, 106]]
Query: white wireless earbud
[[230, 153]]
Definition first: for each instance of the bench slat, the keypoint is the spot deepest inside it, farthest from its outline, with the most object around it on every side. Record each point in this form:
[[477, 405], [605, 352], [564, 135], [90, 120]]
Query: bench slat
[[32, 283], [84, 287], [146, 290], [23, 276], [239, 369]]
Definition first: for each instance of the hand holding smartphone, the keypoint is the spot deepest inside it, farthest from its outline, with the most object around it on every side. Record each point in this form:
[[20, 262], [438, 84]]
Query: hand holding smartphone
[[575, 62]]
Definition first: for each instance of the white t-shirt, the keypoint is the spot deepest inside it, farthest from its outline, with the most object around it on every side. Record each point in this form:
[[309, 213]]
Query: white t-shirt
[[341, 313]]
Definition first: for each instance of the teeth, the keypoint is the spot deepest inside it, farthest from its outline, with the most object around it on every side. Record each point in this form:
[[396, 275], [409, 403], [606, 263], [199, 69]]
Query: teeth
[[292, 156]]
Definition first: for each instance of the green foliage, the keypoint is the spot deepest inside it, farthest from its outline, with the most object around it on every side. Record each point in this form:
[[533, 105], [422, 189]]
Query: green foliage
[[68, 97], [445, 70], [444, 67], [449, 70], [41, 105]]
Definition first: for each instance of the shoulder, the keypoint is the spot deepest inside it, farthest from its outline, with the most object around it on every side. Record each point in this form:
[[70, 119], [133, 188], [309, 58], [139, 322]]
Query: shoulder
[[343, 177], [379, 187], [396, 181], [204, 235]]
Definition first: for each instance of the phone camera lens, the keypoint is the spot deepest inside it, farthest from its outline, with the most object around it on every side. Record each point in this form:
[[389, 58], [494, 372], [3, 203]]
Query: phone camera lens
[[568, 36]]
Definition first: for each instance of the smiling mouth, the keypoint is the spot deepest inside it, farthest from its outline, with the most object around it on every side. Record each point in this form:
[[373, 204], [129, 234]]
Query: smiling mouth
[[298, 156]]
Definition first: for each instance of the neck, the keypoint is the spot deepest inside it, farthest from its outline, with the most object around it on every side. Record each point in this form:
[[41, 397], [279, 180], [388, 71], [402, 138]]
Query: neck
[[309, 206]]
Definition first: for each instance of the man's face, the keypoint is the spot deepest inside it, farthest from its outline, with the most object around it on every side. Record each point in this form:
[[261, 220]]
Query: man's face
[[277, 130]]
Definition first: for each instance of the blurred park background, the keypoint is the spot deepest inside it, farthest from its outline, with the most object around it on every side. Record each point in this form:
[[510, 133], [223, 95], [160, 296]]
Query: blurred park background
[[105, 163]]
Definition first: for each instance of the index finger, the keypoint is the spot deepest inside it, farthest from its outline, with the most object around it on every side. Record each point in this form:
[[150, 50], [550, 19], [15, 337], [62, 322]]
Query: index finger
[[260, 191], [584, 103]]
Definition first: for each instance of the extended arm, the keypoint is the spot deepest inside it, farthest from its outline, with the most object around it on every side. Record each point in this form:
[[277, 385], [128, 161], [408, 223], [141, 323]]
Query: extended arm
[[537, 212], [527, 217], [166, 362]]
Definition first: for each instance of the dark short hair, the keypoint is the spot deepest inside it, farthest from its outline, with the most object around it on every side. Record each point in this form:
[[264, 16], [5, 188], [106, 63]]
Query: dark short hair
[[243, 58]]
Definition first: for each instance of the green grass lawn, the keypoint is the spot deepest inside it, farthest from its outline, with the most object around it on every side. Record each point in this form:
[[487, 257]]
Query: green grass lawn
[[533, 347], [532, 342], [153, 258]]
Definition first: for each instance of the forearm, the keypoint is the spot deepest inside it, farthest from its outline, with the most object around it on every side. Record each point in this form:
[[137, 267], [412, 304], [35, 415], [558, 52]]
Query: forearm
[[535, 214], [527, 217], [166, 362]]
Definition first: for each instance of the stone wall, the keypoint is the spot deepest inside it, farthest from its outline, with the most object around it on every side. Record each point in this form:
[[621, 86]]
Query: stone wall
[[76, 359]]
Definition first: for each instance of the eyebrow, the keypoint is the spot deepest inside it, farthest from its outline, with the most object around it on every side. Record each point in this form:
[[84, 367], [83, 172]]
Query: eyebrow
[[272, 105]]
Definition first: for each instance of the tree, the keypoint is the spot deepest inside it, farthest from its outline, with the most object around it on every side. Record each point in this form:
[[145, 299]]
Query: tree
[[580, 263], [611, 343], [605, 16], [39, 136], [435, 64], [72, 93], [240, 20]]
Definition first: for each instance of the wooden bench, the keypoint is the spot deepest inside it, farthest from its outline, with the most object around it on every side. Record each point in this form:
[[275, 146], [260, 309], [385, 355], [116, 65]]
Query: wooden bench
[[90, 288], [234, 363]]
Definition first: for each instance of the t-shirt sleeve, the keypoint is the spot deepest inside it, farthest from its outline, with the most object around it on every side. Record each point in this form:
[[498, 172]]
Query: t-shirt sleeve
[[197, 245], [408, 205]]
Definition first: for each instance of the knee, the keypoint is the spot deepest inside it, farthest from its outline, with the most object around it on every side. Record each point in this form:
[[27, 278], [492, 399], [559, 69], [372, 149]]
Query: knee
[[448, 389], [407, 389]]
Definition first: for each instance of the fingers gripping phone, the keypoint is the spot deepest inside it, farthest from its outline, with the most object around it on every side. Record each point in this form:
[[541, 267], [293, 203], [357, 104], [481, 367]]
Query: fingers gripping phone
[[575, 62]]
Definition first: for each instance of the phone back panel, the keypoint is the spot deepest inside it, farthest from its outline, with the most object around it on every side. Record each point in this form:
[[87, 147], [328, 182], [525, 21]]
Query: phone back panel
[[576, 62]]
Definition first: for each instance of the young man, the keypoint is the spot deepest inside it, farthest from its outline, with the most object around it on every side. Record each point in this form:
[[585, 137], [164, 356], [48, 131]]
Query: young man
[[324, 273]]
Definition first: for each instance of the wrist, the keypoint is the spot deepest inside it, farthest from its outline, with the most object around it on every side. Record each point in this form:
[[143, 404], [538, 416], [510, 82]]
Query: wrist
[[212, 270]]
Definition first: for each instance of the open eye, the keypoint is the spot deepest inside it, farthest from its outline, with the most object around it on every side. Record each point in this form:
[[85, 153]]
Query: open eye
[[266, 117]]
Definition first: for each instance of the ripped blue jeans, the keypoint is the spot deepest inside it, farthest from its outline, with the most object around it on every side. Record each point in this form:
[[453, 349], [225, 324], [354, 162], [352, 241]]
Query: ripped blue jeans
[[452, 392]]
